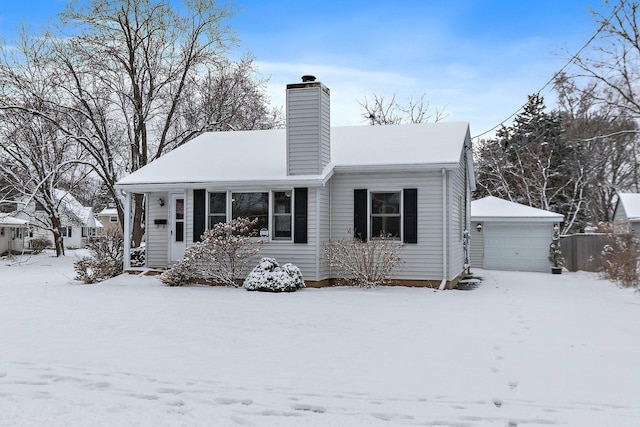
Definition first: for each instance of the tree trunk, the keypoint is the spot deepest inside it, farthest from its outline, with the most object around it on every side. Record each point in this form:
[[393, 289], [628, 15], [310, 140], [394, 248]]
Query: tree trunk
[[58, 240], [137, 229]]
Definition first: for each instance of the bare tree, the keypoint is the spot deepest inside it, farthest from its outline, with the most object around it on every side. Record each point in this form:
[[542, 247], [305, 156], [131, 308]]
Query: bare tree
[[383, 111], [137, 78]]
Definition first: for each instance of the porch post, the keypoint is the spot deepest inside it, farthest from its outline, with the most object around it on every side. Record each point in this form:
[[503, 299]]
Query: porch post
[[127, 230]]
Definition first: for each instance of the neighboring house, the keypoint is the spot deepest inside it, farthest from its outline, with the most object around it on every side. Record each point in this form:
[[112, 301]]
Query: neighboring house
[[108, 217], [310, 183], [13, 232], [78, 222], [626, 215], [510, 236]]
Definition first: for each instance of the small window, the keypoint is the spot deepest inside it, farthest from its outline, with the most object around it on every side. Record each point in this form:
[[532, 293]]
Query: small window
[[66, 231], [84, 231], [113, 218], [386, 215], [282, 215], [252, 205], [1, 231], [217, 208]]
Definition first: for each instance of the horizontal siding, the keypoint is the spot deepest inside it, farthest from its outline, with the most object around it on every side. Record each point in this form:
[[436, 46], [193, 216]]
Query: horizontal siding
[[157, 236], [477, 246], [324, 195], [307, 130], [423, 261]]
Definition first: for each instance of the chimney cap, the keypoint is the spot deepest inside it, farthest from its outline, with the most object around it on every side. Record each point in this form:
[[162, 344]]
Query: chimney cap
[[308, 78]]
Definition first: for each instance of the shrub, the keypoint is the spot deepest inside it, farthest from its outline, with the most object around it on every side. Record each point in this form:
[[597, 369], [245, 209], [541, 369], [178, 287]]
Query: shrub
[[39, 244], [224, 252], [555, 251], [365, 264], [269, 276], [105, 260], [619, 259], [137, 256]]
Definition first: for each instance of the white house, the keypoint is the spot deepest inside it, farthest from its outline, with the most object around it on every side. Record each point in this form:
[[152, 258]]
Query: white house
[[13, 232], [626, 214], [78, 222], [310, 183], [510, 236]]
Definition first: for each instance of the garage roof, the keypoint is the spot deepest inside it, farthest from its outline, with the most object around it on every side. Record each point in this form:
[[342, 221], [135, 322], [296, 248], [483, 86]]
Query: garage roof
[[493, 208], [631, 204]]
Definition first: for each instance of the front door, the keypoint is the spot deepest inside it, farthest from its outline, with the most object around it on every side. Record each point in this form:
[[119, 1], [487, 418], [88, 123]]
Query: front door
[[177, 230]]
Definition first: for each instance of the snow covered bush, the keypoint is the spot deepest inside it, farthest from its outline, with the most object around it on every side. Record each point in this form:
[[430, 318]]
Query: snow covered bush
[[619, 259], [269, 276], [366, 264], [222, 255], [137, 256], [39, 244], [106, 260]]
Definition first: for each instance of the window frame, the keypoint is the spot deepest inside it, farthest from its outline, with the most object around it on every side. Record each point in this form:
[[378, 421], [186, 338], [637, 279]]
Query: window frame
[[370, 215], [271, 214]]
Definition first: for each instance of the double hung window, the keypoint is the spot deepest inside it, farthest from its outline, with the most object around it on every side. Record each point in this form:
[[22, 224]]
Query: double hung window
[[386, 214]]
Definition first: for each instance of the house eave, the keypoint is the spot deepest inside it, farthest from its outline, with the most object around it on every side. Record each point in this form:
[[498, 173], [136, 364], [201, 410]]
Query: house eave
[[557, 219], [397, 168], [287, 181]]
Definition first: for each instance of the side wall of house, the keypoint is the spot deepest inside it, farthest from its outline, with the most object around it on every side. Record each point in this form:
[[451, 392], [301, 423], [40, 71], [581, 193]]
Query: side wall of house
[[423, 260], [157, 236], [458, 219]]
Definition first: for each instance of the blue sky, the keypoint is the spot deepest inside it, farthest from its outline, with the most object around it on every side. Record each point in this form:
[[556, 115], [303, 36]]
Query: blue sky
[[476, 59]]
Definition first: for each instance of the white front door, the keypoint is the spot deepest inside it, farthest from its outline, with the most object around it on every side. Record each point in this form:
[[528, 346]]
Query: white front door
[[177, 228]]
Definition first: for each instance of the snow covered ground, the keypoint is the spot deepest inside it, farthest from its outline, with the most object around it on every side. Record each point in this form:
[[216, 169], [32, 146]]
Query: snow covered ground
[[521, 349]]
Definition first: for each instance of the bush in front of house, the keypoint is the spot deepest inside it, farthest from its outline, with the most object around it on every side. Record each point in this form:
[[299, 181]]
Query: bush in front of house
[[39, 244], [365, 264], [269, 276], [224, 252], [106, 258], [137, 256]]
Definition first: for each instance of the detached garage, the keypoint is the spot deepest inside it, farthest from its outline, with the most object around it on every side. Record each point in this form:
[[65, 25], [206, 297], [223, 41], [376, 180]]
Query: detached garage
[[510, 236]]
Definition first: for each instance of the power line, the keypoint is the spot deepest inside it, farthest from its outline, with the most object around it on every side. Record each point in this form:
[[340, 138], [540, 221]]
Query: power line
[[573, 58]]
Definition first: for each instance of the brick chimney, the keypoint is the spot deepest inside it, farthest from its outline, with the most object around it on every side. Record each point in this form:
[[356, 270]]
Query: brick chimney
[[308, 127]]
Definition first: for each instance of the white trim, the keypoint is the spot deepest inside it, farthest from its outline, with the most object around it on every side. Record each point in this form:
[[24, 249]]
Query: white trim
[[127, 230]]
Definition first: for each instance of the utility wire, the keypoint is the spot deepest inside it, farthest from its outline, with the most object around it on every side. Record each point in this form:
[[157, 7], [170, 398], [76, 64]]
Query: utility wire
[[573, 58]]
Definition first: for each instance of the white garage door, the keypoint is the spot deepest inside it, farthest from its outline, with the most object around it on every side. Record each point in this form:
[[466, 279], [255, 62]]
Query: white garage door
[[519, 247]]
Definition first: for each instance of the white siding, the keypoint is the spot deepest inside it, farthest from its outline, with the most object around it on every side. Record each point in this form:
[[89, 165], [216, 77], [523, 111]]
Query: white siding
[[157, 236], [423, 261], [324, 195], [458, 219], [477, 246], [308, 129], [301, 254]]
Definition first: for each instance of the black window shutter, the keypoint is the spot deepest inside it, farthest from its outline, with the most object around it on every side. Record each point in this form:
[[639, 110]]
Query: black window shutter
[[199, 213], [410, 215], [300, 197], [360, 214]]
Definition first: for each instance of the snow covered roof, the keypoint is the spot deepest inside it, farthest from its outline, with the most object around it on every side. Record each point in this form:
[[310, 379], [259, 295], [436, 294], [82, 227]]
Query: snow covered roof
[[631, 204], [6, 220], [260, 156], [71, 207], [493, 208], [108, 212]]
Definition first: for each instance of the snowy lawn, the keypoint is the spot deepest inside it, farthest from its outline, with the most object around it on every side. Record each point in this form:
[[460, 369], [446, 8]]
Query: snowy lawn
[[521, 349]]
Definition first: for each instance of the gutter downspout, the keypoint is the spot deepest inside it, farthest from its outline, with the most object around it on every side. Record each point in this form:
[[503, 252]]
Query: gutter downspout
[[443, 284]]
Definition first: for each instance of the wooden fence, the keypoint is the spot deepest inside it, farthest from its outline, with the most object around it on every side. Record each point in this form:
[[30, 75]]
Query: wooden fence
[[582, 251]]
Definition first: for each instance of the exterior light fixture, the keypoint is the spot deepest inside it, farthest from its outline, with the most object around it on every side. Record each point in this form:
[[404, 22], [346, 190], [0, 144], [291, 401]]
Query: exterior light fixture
[[479, 228], [161, 201]]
